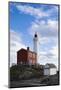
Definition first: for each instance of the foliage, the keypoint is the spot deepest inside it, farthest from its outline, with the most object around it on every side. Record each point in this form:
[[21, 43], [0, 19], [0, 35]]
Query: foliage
[[19, 72]]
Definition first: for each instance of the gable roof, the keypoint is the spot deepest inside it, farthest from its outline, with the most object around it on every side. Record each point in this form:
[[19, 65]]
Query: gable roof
[[49, 66], [22, 49]]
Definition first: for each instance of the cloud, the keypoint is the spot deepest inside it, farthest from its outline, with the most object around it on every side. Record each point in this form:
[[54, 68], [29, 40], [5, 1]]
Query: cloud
[[36, 12], [50, 56], [47, 31], [54, 51], [46, 24], [15, 44], [47, 28], [53, 11], [47, 40]]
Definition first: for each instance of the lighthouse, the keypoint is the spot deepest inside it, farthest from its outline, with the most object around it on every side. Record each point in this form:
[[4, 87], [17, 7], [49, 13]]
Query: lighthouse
[[35, 41]]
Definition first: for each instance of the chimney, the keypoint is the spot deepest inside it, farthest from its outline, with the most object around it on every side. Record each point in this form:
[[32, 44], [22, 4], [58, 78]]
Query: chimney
[[27, 48]]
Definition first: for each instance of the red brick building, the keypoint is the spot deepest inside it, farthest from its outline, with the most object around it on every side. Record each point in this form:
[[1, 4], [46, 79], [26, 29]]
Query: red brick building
[[26, 57]]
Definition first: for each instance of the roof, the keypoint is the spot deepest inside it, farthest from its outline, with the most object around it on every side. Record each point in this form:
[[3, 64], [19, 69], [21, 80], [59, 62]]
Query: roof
[[49, 66], [25, 50]]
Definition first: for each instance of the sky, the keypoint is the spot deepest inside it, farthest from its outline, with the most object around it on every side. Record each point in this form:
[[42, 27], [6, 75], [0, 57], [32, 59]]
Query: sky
[[27, 18]]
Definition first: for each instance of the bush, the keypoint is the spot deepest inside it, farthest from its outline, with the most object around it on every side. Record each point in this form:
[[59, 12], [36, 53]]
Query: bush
[[19, 72]]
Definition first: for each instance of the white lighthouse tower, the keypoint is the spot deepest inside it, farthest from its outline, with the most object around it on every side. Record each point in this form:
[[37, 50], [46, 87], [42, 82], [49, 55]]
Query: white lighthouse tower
[[35, 40]]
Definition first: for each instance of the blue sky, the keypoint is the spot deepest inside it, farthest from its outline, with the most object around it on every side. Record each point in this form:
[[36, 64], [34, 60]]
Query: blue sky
[[28, 18]]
